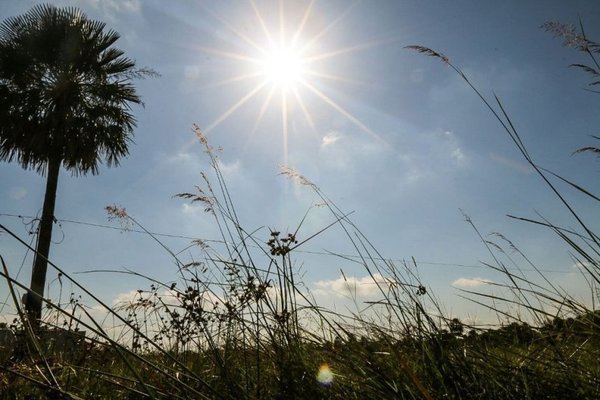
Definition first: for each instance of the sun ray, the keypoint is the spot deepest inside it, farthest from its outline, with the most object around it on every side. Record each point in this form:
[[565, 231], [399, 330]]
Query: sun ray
[[239, 34], [259, 117], [304, 109], [302, 23], [283, 63], [229, 54], [262, 22], [284, 121], [305, 112], [281, 23], [234, 107], [319, 35], [261, 114], [234, 79], [342, 111], [263, 108], [350, 49], [333, 77]]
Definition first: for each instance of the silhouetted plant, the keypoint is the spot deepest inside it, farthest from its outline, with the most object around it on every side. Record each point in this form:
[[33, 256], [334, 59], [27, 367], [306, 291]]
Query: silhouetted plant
[[65, 97]]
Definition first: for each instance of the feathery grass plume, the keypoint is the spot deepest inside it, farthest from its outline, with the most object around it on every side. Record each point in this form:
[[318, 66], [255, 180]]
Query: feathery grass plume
[[295, 175], [568, 32], [428, 52], [201, 197], [578, 40], [116, 213]]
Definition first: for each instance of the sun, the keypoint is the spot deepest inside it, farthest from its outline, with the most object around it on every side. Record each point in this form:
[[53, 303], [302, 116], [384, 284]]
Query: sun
[[283, 66], [284, 58]]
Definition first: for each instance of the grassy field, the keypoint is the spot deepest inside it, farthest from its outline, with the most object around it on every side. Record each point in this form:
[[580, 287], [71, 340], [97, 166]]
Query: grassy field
[[240, 324]]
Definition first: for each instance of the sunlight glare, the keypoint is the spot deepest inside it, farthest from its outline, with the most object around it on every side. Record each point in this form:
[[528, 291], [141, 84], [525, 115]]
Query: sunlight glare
[[283, 67], [325, 376], [287, 60]]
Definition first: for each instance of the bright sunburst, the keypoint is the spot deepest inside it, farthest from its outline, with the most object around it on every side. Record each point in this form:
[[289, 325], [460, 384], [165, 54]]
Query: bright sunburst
[[283, 66], [285, 69]]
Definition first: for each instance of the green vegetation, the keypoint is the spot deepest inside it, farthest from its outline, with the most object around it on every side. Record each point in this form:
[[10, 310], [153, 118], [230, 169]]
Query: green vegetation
[[240, 324]]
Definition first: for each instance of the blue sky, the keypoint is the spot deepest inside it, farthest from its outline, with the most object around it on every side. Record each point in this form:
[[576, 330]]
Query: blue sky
[[390, 134]]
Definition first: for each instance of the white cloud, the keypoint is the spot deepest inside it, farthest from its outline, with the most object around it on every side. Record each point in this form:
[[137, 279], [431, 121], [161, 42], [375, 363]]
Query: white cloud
[[115, 6], [583, 265], [457, 154], [351, 286], [18, 193], [179, 158], [454, 148], [230, 169], [183, 160], [109, 9], [330, 139], [348, 151], [195, 162], [471, 282], [126, 298], [412, 169], [197, 209], [413, 175]]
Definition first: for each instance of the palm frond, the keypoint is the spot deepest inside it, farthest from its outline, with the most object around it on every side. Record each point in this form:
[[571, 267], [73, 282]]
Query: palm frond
[[82, 118]]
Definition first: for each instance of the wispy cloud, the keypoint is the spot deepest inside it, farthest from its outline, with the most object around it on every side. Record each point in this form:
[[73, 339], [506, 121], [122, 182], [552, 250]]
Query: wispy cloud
[[193, 161], [230, 169], [457, 154], [110, 10], [454, 149], [18, 193], [180, 157], [126, 298], [195, 210], [115, 6], [347, 151], [471, 282], [512, 164], [351, 286], [585, 265], [330, 139]]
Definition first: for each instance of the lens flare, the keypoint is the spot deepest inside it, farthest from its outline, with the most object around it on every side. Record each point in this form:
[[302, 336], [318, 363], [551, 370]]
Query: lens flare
[[325, 376]]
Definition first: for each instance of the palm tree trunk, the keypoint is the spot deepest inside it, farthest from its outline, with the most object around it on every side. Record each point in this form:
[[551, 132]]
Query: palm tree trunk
[[40, 261]]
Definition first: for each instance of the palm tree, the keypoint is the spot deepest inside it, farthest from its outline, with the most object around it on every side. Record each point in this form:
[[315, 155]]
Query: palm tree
[[65, 97]]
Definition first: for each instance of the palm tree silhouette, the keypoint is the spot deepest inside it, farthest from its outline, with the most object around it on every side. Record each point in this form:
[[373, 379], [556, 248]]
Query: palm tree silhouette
[[65, 100]]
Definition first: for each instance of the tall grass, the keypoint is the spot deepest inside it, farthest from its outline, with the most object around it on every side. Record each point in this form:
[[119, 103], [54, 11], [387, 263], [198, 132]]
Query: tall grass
[[238, 322]]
